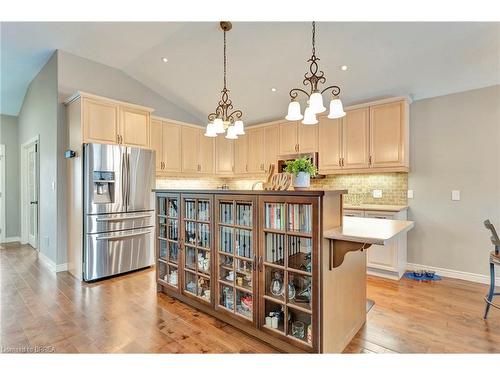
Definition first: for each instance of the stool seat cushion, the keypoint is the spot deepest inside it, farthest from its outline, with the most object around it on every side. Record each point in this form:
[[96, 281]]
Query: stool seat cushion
[[495, 258]]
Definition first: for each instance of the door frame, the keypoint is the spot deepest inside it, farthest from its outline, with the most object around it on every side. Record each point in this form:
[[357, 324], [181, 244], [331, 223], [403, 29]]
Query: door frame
[[2, 193], [24, 190]]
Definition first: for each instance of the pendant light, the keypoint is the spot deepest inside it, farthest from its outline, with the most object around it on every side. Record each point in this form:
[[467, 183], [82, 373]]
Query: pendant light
[[315, 96]]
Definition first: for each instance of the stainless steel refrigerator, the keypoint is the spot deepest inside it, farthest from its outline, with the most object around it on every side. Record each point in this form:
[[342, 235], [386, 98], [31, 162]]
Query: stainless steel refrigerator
[[118, 210]]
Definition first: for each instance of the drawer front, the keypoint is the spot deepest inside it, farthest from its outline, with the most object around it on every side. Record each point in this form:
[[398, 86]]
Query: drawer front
[[354, 213], [380, 214], [115, 222], [117, 252]]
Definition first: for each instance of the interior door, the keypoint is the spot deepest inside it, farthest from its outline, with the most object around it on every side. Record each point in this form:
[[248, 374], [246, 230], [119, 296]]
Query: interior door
[[33, 195]]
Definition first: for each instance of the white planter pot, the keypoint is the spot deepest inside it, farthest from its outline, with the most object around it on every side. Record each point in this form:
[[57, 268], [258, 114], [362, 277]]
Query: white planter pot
[[302, 180]]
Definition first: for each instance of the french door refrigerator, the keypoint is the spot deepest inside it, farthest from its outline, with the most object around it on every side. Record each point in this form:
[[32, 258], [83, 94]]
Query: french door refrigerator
[[118, 209]]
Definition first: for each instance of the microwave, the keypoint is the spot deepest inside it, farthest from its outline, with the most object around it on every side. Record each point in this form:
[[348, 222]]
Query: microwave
[[282, 159]]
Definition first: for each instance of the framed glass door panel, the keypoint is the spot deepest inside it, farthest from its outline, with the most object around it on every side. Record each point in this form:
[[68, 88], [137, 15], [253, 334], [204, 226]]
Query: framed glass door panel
[[289, 274], [236, 257], [167, 243], [197, 246]]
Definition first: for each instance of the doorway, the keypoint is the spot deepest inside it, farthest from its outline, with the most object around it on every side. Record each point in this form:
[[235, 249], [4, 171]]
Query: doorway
[[2, 193], [30, 176]]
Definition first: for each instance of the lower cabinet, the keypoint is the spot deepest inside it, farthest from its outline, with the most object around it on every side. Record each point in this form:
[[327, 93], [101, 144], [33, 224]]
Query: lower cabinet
[[252, 259], [388, 261]]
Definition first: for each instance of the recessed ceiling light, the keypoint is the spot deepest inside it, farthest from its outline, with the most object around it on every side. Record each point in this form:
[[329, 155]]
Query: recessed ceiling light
[[343, 67], [273, 89], [164, 59]]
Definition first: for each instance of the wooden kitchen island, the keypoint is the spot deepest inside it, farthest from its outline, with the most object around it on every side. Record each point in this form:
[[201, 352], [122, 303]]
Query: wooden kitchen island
[[259, 261]]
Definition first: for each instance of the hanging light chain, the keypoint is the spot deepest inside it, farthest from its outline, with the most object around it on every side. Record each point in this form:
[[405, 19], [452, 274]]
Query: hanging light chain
[[224, 59], [314, 38]]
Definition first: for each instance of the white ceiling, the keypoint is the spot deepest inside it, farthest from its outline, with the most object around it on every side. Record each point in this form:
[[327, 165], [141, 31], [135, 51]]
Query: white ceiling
[[384, 59]]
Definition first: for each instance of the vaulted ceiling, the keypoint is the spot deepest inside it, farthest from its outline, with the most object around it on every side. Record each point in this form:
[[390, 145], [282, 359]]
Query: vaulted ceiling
[[383, 59]]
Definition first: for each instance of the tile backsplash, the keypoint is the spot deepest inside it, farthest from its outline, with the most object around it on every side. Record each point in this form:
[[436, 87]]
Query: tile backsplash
[[394, 186]]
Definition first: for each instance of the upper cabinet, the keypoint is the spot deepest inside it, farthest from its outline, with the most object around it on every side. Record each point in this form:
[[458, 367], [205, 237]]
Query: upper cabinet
[[109, 121], [241, 154], [135, 125], [190, 149], [307, 139], [288, 137], [100, 121], [272, 144], [296, 137], [171, 147], [157, 143], [256, 150], [389, 134], [356, 139], [206, 155], [368, 138], [224, 156], [330, 144]]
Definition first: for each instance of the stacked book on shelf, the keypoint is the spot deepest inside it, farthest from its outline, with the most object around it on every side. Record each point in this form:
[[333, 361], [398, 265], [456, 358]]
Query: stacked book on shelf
[[300, 218], [275, 216]]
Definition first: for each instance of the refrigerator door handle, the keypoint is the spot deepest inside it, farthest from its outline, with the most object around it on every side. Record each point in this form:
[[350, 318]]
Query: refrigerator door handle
[[121, 218], [128, 180], [122, 162], [112, 238]]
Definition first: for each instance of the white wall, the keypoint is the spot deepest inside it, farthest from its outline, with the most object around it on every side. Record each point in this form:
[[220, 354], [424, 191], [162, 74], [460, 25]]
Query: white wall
[[9, 137], [38, 116], [77, 73], [455, 145]]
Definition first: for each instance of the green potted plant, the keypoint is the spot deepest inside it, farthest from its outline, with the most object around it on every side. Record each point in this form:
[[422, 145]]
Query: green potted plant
[[302, 170]]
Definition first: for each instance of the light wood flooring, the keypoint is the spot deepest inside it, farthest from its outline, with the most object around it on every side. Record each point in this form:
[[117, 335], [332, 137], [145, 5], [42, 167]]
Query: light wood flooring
[[125, 314]]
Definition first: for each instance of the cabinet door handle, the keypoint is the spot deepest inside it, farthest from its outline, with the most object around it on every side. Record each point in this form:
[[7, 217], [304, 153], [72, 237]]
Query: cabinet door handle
[[260, 263], [370, 160], [254, 266], [246, 167], [340, 162]]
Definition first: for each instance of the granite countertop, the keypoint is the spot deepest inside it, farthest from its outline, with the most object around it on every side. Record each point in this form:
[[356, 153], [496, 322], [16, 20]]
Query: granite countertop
[[375, 207], [368, 230]]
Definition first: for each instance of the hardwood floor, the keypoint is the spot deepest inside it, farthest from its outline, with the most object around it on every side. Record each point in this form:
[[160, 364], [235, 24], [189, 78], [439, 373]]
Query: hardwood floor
[[40, 309]]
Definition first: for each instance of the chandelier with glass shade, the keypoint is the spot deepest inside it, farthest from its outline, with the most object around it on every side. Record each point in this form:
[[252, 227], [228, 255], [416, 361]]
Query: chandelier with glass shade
[[315, 96], [225, 119]]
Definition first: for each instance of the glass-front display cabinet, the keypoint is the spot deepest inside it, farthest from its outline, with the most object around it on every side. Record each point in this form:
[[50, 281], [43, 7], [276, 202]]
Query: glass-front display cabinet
[[168, 261], [197, 246], [289, 268], [236, 256]]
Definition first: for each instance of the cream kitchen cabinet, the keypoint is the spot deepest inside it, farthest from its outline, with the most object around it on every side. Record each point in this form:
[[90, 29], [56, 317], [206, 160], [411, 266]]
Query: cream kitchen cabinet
[[197, 151], [241, 154], [297, 138], [256, 150], [330, 144], [95, 119], [356, 139], [388, 261], [166, 141], [272, 143], [224, 156], [389, 136]]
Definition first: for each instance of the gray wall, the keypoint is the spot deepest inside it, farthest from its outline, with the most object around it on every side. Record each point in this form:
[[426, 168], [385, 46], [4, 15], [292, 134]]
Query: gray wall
[[9, 137], [38, 116], [455, 145], [77, 73]]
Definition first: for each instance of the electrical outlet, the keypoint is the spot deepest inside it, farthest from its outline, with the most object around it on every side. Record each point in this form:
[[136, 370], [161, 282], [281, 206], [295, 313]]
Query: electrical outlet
[[410, 194], [377, 193], [455, 195]]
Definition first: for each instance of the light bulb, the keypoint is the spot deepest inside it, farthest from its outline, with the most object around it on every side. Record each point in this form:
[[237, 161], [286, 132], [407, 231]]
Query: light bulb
[[231, 133], [239, 128], [210, 131], [219, 126]]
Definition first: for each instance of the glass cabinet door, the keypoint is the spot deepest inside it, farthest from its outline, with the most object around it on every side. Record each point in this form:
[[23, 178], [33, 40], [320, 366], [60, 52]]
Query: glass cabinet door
[[197, 245], [287, 279], [168, 240], [236, 256]]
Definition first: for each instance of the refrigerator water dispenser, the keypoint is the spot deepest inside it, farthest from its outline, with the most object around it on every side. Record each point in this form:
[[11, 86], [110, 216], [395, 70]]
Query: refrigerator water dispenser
[[104, 187]]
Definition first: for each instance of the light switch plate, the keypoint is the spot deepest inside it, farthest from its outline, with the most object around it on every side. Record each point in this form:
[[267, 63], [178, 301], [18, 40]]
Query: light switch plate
[[410, 194], [455, 195], [377, 193]]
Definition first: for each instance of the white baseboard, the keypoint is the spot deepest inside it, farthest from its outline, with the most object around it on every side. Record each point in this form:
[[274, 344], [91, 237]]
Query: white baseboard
[[48, 262], [62, 267], [461, 275], [11, 239]]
